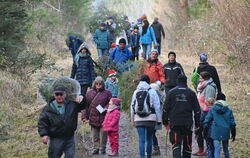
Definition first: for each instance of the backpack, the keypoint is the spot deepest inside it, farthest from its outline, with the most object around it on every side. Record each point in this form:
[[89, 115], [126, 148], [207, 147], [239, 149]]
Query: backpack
[[141, 104], [195, 78]]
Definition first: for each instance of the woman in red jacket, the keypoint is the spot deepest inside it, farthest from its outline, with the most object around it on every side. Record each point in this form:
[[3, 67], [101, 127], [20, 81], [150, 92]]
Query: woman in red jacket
[[154, 68]]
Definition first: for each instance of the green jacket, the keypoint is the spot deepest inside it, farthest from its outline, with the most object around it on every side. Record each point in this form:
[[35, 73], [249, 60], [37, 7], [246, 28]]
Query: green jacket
[[101, 38]]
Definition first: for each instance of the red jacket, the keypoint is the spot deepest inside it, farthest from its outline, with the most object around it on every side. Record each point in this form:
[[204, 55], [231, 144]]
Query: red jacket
[[154, 71], [111, 121]]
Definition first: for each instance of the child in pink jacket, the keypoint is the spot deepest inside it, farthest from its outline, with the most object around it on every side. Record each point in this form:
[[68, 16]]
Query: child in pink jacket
[[111, 125]]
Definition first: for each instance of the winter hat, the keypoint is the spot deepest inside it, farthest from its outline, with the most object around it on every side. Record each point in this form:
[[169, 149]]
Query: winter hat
[[102, 24], [122, 40], [139, 20], [172, 53], [110, 17], [72, 37], [203, 57], [112, 72], [116, 101], [154, 50], [145, 78], [182, 79], [113, 45]]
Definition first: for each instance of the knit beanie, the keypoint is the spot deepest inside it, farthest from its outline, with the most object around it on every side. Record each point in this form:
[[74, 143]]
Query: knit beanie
[[182, 79], [145, 78], [172, 53], [154, 50], [203, 57], [112, 72], [116, 101], [102, 24]]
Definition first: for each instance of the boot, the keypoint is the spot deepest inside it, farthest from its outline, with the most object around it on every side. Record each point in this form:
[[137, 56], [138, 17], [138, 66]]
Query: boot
[[103, 151], [95, 152], [200, 152], [156, 150]]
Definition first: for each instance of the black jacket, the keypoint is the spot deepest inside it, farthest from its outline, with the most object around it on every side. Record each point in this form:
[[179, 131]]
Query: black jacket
[[212, 70], [51, 123], [172, 71], [158, 30], [179, 106]]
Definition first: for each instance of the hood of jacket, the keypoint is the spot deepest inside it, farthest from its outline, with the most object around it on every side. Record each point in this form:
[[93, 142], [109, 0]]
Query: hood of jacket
[[221, 106], [203, 65], [143, 85], [72, 37], [82, 46], [155, 22]]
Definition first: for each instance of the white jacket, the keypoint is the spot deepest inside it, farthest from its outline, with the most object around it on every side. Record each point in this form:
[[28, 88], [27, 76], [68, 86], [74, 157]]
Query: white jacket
[[154, 102]]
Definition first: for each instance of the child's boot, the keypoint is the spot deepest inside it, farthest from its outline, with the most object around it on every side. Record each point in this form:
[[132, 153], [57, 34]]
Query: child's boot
[[156, 150]]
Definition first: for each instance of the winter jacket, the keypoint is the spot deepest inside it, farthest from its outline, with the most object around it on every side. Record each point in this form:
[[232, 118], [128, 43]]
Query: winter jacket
[[155, 71], [111, 121], [134, 40], [113, 87], [73, 46], [148, 37], [120, 56], [158, 30], [212, 70], [83, 69], [208, 92], [172, 71], [101, 38], [222, 119], [91, 113], [179, 106], [154, 102], [111, 29], [51, 123]]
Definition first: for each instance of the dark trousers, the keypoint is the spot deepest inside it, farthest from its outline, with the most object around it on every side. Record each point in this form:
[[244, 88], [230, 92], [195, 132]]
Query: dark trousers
[[58, 146], [84, 88], [155, 140], [181, 136], [200, 137], [159, 45], [135, 52]]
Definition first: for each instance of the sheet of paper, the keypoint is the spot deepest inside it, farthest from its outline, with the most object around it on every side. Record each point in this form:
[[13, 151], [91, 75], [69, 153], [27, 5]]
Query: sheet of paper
[[100, 108]]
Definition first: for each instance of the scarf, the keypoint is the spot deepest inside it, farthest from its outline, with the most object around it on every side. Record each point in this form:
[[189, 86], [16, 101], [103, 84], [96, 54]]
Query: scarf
[[202, 85], [112, 108], [80, 55]]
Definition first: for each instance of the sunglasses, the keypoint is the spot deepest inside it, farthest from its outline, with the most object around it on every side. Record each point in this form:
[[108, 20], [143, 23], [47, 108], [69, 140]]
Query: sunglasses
[[58, 94], [98, 84]]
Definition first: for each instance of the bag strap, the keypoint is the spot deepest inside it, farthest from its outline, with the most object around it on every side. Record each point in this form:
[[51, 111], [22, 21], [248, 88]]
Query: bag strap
[[94, 98], [196, 69]]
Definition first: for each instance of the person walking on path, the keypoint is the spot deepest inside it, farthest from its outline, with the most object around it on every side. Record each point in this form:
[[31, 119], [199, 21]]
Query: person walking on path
[[111, 25], [154, 68], [206, 95], [158, 30], [146, 39], [180, 107], [135, 43], [83, 68], [121, 55], [172, 70], [74, 44], [97, 96], [145, 114], [102, 40], [58, 122], [222, 122], [111, 125], [205, 66], [156, 148], [112, 82]]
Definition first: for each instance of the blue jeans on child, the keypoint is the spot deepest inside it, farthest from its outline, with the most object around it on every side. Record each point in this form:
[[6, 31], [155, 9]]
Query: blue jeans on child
[[217, 148], [145, 133], [146, 50]]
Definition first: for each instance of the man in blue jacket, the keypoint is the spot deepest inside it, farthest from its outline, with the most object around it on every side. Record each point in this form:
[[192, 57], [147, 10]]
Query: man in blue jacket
[[120, 56]]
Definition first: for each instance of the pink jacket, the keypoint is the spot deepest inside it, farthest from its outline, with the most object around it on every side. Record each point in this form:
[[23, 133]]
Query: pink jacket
[[111, 121]]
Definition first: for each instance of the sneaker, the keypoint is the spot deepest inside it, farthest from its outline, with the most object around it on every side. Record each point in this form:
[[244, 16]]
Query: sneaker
[[103, 151], [156, 151], [95, 152], [113, 154]]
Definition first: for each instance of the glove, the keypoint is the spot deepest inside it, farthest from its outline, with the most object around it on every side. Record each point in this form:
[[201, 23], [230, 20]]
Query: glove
[[233, 132]]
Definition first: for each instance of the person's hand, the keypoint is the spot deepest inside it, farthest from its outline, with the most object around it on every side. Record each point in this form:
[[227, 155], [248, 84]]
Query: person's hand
[[45, 139], [79, 99]]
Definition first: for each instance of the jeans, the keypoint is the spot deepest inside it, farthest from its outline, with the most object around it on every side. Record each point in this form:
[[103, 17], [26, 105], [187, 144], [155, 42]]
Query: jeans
[[58, 146], [155, 140], [146, 50], [135, 52], [145, 133], [181, 136], [102, 52], [217, 149], [159, 45]]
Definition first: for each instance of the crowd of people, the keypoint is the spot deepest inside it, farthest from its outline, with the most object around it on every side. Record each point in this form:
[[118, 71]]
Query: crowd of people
[[161, 99]]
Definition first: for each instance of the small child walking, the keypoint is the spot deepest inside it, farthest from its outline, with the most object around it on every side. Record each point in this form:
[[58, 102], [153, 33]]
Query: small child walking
[[135, 43], [111, 125], [222, 122], [111, 83]]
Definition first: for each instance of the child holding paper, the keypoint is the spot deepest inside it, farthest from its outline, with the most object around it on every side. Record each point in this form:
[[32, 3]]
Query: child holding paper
[[111, 125]]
